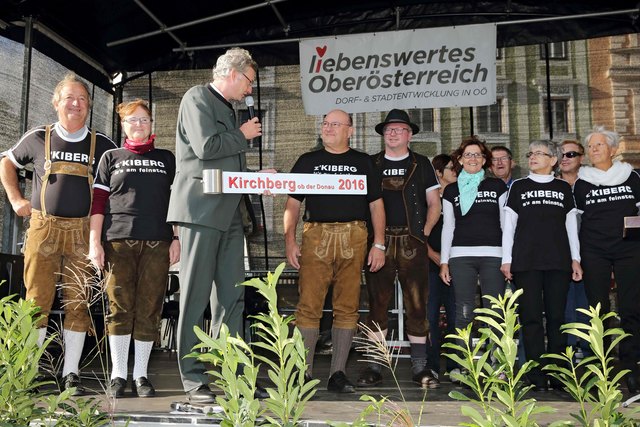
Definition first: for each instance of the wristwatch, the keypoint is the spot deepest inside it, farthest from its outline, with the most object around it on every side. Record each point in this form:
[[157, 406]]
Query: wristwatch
[[380, 246]]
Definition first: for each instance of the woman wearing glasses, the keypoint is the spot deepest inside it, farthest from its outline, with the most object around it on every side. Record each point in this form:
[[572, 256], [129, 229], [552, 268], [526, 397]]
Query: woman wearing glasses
[[129, 217], [541, 254], [439, 293], [572, 155], [472, 231], [605, 193]]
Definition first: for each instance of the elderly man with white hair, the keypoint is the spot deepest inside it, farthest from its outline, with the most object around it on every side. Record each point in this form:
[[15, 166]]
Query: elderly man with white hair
[[211, 232]]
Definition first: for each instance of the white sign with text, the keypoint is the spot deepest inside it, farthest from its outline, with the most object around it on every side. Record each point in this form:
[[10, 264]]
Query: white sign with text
[[292, 183], [424, 68]]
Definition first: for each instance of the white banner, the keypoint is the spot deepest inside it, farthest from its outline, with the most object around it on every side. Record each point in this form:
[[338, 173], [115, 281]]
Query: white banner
[[425, 68], [292, 183]]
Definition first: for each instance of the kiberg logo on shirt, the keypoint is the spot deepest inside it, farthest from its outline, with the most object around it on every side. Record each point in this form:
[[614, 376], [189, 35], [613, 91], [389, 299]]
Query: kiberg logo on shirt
[[66, 156], [394, 172], [334, 168]]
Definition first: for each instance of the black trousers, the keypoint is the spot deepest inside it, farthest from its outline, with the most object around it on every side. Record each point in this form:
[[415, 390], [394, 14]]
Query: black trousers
[[597, 269], [545, 294]]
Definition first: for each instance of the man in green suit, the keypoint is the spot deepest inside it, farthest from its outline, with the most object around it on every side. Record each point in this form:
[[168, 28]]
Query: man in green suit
[[211, 233]]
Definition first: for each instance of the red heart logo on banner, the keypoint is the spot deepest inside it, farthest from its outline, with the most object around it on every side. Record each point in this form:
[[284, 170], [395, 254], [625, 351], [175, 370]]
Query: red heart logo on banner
[[321, 50]]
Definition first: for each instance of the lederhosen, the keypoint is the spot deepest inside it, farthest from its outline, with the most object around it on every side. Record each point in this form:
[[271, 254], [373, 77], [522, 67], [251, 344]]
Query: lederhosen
[[58, 246]]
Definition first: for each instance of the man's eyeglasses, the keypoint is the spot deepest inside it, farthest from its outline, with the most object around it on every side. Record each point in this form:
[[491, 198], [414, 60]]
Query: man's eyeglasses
[[571, 154], [473, 155], [334, 125], [538, 154], [248, 79], [141, 120], [395, 131], [502, 159]]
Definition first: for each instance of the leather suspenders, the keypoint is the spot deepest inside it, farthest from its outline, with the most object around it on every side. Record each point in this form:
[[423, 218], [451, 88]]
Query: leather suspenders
[[65, 168]]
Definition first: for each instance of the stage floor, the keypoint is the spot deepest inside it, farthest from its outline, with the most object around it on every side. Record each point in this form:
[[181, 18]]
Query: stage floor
[[438, 408]]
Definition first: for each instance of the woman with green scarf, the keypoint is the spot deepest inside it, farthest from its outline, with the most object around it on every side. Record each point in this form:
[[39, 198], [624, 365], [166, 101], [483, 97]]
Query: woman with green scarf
[[472, 230]]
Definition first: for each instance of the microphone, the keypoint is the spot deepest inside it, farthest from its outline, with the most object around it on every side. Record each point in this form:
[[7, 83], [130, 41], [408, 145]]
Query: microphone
[[249, 101]]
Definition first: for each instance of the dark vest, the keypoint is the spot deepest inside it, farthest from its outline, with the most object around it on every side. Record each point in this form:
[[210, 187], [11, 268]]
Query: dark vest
[[414, 191]]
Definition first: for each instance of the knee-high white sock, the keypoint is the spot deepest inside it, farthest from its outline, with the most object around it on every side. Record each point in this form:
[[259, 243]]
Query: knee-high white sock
[[119, 345], [73, 344], [42, 334], [143, 351]]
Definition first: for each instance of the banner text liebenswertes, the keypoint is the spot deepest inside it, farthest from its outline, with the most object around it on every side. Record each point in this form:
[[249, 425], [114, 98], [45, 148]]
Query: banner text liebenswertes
[[396, 78]]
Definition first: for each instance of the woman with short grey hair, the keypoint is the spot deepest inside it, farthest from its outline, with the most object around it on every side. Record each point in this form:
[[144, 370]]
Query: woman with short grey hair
[[612, 138], [605, 193], [541, 254]]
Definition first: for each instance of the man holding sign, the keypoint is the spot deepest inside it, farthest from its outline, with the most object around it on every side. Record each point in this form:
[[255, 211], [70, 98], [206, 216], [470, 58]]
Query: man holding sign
[[211, 234], [334, 244]]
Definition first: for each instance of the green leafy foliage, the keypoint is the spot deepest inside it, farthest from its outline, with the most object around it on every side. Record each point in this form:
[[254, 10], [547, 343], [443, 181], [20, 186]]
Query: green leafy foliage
[[374, 409], [387, 412], [592, 382], [490, 368], [235, 375], [83, 412], [19, 356], [22, 399], [283, 353]]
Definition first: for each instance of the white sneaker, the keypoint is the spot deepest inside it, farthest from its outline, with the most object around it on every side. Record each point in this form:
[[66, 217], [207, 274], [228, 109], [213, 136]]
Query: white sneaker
[[452, 373]]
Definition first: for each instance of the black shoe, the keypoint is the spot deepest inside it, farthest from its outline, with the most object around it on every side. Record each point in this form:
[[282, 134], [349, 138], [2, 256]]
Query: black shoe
[[40, 380], [632, 383], [260, 393], [556, 385], [202, 394], [117, 387], [538, 380], [426, 379], [369, 378], [540, 388], [307, 378], [142, 387], [73, 380], [339, 383]]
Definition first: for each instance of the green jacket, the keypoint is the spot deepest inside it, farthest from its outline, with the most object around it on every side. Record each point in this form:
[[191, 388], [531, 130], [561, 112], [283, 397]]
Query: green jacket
[[206, 138]]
